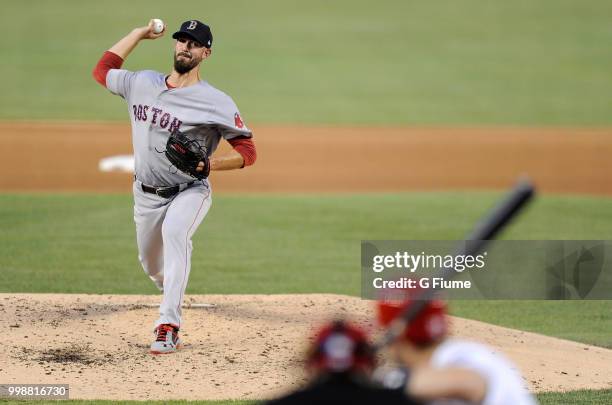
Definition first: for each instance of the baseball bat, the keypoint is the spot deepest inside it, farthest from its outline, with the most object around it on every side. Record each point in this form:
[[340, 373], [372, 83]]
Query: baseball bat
[[485, 230]]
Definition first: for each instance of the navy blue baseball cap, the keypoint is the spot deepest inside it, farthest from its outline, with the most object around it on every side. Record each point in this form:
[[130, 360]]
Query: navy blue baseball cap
[[195, 30]]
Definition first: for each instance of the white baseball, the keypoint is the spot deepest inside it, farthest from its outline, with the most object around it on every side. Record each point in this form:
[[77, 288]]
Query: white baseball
[[158, 25]]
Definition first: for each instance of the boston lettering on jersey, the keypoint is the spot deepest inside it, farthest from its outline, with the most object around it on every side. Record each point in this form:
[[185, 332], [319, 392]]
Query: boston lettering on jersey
[[157, 117]]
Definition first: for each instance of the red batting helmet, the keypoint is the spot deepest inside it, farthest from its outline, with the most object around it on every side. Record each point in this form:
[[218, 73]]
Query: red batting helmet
[[340, 347], [430, 325]]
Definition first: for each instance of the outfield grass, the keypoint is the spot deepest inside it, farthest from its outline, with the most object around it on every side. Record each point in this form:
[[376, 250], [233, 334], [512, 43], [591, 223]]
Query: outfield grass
[[591, 397], [77, 243], [341, 62], [255, 243], [583, 321]]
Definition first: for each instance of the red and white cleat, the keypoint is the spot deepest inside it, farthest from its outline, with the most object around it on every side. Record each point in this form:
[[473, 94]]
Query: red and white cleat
[[166, 339]]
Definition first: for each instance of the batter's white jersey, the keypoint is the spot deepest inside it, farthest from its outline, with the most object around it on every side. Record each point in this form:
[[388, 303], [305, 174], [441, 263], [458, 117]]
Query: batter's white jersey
[[504, 383]]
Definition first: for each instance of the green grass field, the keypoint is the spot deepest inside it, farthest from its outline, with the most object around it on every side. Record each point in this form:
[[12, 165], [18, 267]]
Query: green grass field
[[255, 243], [592, 397], [286, 244], [342, 62]]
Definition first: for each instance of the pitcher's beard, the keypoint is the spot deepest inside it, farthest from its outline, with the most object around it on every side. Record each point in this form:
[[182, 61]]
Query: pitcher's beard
[[183, 66]]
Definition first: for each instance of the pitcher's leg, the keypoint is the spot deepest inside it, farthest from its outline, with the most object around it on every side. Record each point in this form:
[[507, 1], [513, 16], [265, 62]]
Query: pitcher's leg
[[149, 214], [183, 217]]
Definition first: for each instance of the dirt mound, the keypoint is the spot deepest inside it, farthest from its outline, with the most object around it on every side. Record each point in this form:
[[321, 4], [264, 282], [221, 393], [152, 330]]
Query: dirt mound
[[65, 157], [73, 353], [245, 346]]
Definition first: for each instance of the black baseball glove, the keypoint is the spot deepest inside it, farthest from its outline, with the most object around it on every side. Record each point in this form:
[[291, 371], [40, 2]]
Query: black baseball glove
[[186, 152]]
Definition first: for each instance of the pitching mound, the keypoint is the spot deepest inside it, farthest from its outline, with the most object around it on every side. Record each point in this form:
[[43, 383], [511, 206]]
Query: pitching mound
[[246, 346]]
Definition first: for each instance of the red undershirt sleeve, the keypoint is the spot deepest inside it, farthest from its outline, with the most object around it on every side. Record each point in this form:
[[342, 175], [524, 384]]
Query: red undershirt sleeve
[[246, 148], [107, 62]]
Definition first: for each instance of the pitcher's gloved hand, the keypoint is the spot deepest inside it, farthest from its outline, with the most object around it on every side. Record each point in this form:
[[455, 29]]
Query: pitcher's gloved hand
[[188, 155]]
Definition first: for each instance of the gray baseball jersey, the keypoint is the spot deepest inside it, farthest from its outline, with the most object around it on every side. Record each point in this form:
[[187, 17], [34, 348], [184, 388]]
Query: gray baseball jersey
[[156, 111]]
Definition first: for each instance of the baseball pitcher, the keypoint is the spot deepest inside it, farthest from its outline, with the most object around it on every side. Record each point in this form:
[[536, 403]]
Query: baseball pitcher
[[177, 122]]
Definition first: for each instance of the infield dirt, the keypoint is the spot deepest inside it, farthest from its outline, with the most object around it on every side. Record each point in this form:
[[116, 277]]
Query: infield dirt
[[64, 157], [246, 346]]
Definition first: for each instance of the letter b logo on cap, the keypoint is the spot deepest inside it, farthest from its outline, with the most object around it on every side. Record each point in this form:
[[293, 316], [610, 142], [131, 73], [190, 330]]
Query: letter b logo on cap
[[192, 25]]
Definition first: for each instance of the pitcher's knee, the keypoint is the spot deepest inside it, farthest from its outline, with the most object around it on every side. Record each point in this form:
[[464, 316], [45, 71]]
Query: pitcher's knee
[[151, 267]]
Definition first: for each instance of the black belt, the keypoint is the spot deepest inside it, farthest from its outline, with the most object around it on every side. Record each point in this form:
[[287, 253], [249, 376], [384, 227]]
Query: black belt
[[165, 192]]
